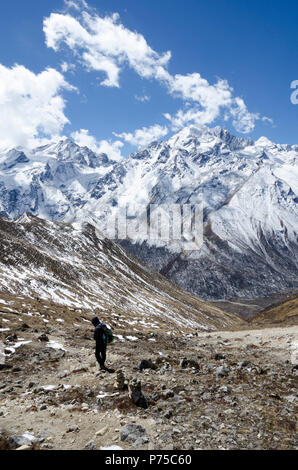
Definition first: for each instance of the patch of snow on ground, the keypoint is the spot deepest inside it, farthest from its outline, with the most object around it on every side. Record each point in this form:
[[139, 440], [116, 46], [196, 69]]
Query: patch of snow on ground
[[102, 395], [132, 338], [120, 337], [18, 344], [55, 345]]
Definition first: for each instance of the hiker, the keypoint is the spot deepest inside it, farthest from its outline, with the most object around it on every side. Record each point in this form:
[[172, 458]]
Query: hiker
[[102, 336]]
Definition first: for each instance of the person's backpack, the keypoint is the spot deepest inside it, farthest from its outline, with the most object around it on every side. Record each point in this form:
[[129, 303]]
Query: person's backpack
[[108, 333]]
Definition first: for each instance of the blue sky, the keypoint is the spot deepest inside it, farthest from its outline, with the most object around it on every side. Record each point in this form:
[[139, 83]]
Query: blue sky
[[231, 63]]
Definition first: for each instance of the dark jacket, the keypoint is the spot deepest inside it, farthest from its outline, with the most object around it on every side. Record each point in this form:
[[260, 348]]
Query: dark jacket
[[99, 333]]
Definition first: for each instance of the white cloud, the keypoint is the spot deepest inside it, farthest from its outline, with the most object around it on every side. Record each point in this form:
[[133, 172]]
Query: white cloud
[[144, 136], [67, 67], [31, 106], [195, 115], [208, 103], [76, 4], [244, 121], [112, 149], [104, 45], [70, 4], [195, 88]]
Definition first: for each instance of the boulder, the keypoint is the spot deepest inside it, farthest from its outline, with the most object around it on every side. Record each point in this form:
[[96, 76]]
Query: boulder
[[146, 364], [17, 441], [189, 363], [136, 395], [132, 433]]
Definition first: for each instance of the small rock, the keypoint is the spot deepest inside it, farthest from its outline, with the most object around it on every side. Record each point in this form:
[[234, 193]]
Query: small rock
[[275, 396], [43, 337], [166, 369], [120, 383], [189, 363], [140, 442], [91, 445], [11, 338], [244, 364], [47, 446], [218, 357], [132, 432], [165, 437], [73, 429], [167, 394], [54, 354], [63, 374], [77, 370], [101, 432], [222, 371], [146, 364]]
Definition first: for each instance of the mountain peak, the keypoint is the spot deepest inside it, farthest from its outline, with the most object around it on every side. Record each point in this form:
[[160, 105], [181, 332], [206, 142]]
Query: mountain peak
[[264, 142], [204, 138]]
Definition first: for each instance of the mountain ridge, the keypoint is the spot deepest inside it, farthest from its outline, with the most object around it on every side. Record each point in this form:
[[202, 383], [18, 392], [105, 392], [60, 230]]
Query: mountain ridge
[[72, 267], [249, 191]]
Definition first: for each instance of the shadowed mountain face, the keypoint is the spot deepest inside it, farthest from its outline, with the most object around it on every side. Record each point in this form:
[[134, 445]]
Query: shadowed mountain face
[[70, 266], [248, 189]]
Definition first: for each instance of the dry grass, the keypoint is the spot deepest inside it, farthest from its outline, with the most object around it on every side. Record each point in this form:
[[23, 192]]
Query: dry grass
[[285, 312]]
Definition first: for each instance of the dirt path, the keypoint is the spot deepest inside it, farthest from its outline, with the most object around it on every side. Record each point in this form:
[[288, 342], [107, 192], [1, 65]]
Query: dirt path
[[282, 342]]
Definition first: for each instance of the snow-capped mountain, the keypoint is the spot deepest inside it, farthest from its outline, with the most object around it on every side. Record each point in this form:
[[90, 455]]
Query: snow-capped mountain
[[50, 180], [249, 191]]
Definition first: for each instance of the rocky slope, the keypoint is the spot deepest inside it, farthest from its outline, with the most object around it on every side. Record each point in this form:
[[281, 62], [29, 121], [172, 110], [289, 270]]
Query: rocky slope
[[43, 262], [249, 191], [221, 390]]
